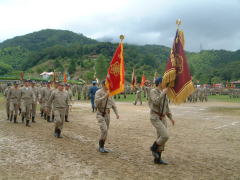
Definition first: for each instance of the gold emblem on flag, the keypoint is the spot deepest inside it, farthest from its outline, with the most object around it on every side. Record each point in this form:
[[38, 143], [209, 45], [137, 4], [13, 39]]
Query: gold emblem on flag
[[115, 69], [179, 64]]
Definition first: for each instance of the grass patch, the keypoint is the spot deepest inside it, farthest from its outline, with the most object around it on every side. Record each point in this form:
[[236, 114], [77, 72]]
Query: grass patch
[[129, 98], [223, 98], [226, 110], [2, 102]]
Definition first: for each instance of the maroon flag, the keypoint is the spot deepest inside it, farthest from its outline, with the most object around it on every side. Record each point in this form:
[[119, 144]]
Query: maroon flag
[[177, 75]]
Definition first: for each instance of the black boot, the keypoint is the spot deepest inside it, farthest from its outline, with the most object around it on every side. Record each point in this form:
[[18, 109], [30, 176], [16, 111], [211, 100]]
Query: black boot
[[45, 116], [33, 119], [52, 118], [15, 119], [66, 119], [11, 117], [41, 113], [27, 123], [58, 133], [8, 117], [154, 149], [48, 119], [22, 119], [20, 111], [159, 160], [101, 147]]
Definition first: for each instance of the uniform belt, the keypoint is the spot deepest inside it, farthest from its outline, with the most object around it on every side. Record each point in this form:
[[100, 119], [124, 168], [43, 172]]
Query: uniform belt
[[107, 111], [161, 116], [60, 107]]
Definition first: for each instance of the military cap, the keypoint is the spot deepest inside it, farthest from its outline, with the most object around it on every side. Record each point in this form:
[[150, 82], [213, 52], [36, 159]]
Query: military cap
[[60, 83], [15, 83], [103, 82], [158, 81]]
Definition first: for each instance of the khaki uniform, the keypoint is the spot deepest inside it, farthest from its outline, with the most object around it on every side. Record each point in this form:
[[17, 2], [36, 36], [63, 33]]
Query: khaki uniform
[[46, 92], [159, 120], [138, 96], [70, 95], [60, 101], [34, 103], [7, 105], [40, 96], [85, 92], [14, 98], [27, 97], [104, 120], [148, 89]]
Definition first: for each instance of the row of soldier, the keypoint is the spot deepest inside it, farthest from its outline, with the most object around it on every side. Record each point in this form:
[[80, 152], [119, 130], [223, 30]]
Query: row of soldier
[[54, 102]]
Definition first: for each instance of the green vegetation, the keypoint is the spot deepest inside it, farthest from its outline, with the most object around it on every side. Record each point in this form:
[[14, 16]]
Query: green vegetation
[[101, 67], [129, 98], [60, 50], [223, 98]]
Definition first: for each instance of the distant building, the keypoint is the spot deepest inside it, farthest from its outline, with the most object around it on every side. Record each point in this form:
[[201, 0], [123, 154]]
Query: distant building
[[46, 75], [217, 85], [235, 84]]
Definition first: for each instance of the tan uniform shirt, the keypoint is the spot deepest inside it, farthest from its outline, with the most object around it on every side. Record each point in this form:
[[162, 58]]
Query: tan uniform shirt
[[14, 95], [59, 99], [155, 103], [100, 101], [70, 94], [36, 92], [46, 92], [27, 95], [5, 93]]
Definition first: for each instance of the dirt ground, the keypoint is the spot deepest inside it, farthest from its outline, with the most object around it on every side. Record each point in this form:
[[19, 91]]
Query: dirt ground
[[204, 144]]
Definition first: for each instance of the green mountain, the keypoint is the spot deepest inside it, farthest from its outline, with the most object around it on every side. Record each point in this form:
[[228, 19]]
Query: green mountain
[[46, 38], [61, 50]]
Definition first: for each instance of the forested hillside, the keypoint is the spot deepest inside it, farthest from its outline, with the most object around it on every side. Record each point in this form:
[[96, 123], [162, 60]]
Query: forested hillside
[[60, 50]]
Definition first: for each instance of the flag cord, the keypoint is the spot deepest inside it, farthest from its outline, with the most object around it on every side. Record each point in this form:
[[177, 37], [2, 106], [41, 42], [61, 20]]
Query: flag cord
[[164, 100], [104, 111]]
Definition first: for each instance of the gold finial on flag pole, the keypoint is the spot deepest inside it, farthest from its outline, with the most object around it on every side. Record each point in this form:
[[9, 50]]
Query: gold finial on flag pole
[[178, 22], [121, 37]]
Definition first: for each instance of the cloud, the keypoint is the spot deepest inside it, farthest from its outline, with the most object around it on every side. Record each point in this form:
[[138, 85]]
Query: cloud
[[211, 23]]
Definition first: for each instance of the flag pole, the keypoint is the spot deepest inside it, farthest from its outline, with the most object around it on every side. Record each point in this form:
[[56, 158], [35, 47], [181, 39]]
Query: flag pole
[[178, 22], [104, 112]]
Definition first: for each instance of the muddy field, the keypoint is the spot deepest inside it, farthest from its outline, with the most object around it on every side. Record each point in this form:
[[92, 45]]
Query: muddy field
[[204, 144]]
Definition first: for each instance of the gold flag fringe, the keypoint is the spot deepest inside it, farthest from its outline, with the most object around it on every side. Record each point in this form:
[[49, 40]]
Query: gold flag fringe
[[179, 98], [169, 78]]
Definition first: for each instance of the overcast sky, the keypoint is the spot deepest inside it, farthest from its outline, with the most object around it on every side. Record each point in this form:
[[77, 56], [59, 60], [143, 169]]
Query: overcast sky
[[212, 24]]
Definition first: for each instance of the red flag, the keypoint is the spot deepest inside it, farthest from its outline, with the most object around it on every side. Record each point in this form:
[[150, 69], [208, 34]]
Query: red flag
[[64, 77], [177, 75], [116, 72], [143, 80], [134, 80]]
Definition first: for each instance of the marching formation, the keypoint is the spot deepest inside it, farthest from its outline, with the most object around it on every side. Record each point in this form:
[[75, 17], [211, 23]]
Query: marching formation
[[54, 100]]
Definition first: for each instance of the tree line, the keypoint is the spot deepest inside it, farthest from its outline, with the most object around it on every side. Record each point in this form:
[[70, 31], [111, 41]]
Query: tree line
[[58, 50]]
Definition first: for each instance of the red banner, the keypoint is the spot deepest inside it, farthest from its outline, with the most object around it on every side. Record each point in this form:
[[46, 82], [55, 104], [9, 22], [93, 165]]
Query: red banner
[[116, 72], [143, 80], [64, 77], [177, 75]]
